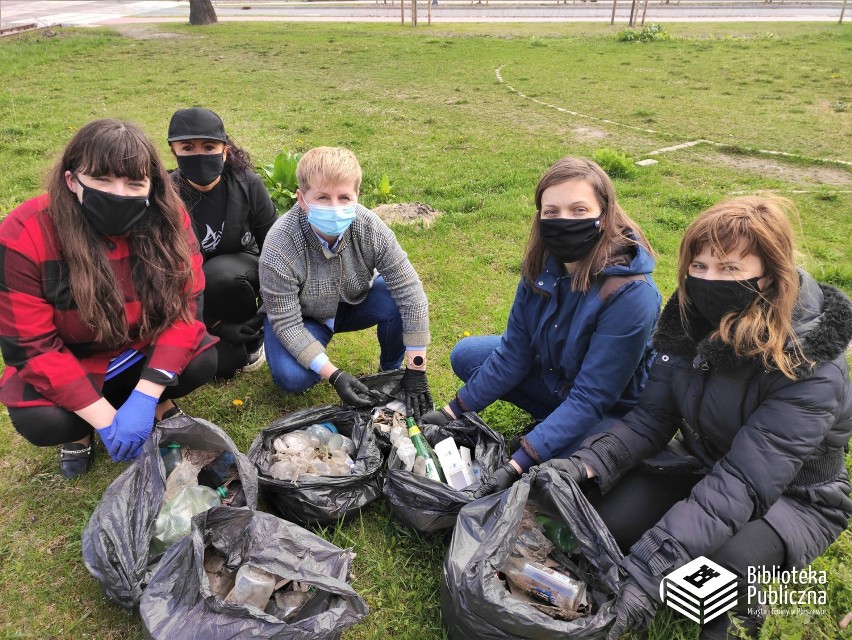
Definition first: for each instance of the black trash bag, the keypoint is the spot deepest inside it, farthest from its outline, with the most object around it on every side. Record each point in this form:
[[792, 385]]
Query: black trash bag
[[179, 604], [320, 499], [476, 604], [389, 386], [118, 535], [428, 506]]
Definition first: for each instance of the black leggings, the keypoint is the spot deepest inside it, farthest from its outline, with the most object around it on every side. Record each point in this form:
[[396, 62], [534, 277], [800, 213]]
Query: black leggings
[[49, 426], [640, 499], [231, 293]]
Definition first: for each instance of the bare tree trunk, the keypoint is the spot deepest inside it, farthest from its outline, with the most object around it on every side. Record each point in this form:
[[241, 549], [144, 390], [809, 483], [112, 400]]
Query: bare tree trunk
[[201, 12]]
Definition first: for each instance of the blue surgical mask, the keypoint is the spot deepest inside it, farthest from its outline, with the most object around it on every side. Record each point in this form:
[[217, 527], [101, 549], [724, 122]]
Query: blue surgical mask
[[332, 221]]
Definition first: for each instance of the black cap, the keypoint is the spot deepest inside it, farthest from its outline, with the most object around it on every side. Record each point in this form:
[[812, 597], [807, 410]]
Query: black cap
[[196, 122]]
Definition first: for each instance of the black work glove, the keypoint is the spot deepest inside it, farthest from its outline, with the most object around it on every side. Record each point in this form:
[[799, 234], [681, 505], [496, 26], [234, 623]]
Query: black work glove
[[634, 610], [572, 467], [439, 417], [351, 390], [235, 332], [501, 479], [418, 400]]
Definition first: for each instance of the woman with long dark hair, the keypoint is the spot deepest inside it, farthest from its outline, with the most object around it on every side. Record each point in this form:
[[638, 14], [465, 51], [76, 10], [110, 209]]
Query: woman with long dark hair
[[99, 285], [231, 214], [576, 351], [735, 452]]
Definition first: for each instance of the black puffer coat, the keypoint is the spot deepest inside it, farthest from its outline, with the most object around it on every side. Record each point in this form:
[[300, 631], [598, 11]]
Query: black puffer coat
[[770, 447]]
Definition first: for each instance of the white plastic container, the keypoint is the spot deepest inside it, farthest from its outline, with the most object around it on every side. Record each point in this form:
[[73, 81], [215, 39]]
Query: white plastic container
[[452, 464]]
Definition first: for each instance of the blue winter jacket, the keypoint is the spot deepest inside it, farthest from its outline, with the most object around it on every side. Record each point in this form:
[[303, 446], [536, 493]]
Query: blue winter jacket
[[593, 349]]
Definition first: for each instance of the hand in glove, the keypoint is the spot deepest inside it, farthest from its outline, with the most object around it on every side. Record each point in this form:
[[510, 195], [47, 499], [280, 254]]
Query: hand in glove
[[501, 479], [634, 610], [133, 423], [107, 436], [440, 417], [236, 332], [418, 400], [572, 467], [351, 390]]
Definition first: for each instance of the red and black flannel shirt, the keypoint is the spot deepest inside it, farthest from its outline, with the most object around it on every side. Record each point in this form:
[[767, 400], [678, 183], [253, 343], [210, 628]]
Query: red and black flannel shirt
[[50, 355]]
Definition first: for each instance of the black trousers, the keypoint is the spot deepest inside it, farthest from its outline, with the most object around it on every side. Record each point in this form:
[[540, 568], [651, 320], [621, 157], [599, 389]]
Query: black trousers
[[49, 426], [231, 291], [640, 499]]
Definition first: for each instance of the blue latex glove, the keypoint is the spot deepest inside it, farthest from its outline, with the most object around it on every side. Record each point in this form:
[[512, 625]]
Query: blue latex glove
[[107, 436], [133, 424]]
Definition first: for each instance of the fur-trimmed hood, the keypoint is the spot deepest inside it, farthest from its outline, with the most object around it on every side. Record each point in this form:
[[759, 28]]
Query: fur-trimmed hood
[[822, 322]]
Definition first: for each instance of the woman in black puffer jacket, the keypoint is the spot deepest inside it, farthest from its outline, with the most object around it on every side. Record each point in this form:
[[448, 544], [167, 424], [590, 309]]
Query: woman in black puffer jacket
[[751, 380]]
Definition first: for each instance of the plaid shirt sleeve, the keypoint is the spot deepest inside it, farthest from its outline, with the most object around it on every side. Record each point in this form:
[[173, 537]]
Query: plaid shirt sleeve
[[29, 338], [176, 346]]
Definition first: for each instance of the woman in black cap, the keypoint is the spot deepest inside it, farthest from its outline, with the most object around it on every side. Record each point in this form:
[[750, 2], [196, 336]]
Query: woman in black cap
[[231, 214]]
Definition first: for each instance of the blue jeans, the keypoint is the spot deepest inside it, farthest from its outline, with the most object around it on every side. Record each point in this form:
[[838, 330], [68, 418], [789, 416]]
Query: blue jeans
[[532, 394], [378, 309]]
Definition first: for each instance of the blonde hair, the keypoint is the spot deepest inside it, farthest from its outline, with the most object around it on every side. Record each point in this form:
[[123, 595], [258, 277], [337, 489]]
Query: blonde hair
[[328, 165], [618, 230], [757, 226]]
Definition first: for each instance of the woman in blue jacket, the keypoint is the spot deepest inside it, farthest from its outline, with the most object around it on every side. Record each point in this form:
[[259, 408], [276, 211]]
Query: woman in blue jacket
[[576, 351]]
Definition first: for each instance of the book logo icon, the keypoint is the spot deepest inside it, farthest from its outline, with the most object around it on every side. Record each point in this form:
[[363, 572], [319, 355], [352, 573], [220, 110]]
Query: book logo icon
[[700, 590]]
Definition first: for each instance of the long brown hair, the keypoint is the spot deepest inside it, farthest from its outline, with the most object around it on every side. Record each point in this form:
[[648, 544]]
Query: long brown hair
[[757, 226], [618, 231], [162, 269]]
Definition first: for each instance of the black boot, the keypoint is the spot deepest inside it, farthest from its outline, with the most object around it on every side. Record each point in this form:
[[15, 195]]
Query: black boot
[[75, 459]]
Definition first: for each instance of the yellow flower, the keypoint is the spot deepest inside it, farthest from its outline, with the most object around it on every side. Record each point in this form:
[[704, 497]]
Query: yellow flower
[[466, 334], [237, 402]]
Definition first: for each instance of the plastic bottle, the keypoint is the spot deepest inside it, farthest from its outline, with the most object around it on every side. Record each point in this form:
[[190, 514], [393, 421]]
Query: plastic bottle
[[559, 534], [173, 521], [171, 456], [252, 586], [433, 465], [221, 467], [554, 588]]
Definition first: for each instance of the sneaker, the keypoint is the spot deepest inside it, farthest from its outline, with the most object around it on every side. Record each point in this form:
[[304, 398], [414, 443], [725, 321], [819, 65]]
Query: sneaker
[[75, 459], [255, 361]]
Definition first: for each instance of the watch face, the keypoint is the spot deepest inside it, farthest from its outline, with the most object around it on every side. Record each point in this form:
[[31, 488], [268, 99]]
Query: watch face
[[417, 361]]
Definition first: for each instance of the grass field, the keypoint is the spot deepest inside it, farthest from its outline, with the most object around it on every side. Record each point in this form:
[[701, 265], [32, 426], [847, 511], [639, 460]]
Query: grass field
[[426, 108]]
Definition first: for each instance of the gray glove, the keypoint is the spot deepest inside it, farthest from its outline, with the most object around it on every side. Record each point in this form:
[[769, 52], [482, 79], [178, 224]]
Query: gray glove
[[500, 480], [439, 417], [634, 610], [572, 467]]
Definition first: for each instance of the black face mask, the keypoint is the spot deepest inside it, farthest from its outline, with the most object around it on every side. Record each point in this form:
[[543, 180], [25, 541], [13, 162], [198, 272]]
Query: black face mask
[[201, 168], [110, 214], [570, 240], [715, 298]]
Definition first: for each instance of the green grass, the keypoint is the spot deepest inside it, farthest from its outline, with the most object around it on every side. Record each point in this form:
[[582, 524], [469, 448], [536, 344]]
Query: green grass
[[425, 108]]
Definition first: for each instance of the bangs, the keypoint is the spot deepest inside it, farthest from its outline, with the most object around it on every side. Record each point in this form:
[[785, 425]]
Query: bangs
[[117, 151], [723, 234]]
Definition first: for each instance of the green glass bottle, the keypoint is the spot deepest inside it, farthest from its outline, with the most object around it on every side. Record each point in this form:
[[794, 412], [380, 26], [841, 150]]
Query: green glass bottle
[[559, 534], [433, 465]]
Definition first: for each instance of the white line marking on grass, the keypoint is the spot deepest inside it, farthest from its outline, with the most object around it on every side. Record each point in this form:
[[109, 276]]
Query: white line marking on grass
[[676, 147]]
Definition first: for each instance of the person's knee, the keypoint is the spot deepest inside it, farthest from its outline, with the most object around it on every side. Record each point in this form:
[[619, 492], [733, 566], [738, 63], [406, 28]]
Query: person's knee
[[200, 370], [293, 379], [463, 360]]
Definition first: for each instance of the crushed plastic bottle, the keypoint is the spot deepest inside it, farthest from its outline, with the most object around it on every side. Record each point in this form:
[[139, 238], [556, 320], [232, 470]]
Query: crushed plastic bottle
[[546, 584], [173, 521], [253, 586]]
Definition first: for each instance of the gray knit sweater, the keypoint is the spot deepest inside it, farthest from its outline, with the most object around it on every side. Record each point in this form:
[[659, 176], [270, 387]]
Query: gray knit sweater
[[301, 278]]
